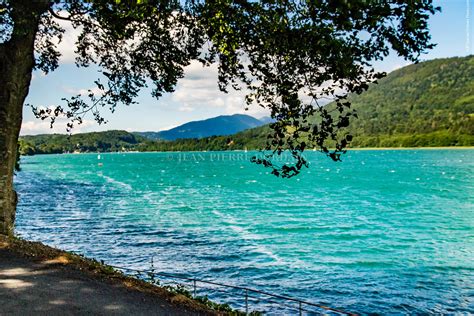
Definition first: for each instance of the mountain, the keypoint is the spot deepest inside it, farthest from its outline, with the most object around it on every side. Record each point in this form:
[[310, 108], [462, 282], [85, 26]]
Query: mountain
[[421, 105], [425, 104], [220, 125]]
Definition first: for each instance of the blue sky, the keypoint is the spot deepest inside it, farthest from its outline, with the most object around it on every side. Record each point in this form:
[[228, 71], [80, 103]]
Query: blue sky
[[197, 96]]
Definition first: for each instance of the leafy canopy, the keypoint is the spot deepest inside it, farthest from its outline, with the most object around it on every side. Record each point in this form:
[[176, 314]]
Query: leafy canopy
[[415, 106], [288, 56]]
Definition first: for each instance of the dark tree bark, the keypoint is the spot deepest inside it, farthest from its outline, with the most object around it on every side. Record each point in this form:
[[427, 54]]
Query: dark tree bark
[[16, 66]]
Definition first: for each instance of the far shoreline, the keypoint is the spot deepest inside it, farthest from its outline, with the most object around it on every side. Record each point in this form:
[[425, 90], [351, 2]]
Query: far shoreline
[[256, 150], [412, 148]]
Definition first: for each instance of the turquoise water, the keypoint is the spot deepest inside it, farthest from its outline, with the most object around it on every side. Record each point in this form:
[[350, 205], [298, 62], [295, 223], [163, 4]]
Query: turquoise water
[[383, 231]]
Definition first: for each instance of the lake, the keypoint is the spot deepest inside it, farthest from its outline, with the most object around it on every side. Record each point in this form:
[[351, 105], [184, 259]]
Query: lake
[[388, 231]]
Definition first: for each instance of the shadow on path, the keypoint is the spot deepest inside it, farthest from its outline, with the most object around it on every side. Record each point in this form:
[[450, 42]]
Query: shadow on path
[[48, 288]]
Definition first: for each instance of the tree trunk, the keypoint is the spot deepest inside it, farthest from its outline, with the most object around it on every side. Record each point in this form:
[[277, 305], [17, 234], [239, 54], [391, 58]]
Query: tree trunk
[[16, 66]]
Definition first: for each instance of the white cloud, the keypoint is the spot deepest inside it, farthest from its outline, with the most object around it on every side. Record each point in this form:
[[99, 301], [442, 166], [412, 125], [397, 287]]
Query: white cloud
[[185, 108], [68, 43], [38, 126], [83, 92], [398, 66], [199, 89]]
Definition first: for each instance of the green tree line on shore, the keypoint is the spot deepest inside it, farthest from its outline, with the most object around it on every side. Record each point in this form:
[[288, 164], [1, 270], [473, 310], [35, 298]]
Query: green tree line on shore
[[59, 143], [85, 142], [429, 104]]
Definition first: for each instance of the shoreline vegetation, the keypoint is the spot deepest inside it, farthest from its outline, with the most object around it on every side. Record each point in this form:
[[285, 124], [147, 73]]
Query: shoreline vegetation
[[414, 148], [179, 297], [123, 142], [417, 106], [254, 150]]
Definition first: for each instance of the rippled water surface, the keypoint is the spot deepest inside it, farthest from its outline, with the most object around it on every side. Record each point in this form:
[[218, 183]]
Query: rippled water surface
[[383, 231]]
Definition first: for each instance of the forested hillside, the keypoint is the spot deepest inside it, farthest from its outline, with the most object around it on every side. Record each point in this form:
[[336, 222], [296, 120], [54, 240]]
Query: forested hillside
[[423, 105], [86, 142], [427, 104]]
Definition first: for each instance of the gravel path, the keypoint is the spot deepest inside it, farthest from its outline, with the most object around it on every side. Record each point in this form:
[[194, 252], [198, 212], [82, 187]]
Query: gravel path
[[32, 288]]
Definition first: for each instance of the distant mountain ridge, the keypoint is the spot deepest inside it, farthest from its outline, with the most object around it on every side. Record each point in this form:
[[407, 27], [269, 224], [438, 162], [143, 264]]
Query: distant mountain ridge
[[428, 104], [217, 126], [421, 105]]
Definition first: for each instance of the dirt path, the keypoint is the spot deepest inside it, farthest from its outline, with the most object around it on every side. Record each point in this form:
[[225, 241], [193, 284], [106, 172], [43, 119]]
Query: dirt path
[[29, 287]]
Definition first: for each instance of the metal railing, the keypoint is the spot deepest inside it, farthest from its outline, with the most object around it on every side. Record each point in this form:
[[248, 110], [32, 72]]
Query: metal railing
[[273, 299]]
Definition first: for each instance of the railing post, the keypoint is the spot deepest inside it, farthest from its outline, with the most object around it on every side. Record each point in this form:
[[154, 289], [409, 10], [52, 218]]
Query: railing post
[[153, 274], [246, 301]]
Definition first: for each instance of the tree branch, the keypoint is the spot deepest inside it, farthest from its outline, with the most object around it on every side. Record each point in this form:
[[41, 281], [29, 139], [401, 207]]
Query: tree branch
[[57, 16]]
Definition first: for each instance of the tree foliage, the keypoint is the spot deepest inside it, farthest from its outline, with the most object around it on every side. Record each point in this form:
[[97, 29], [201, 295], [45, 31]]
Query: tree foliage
[[422, 105], [287, 56]]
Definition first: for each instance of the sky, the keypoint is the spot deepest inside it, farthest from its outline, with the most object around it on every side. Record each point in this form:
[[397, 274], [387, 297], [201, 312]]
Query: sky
[[197, 96]]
